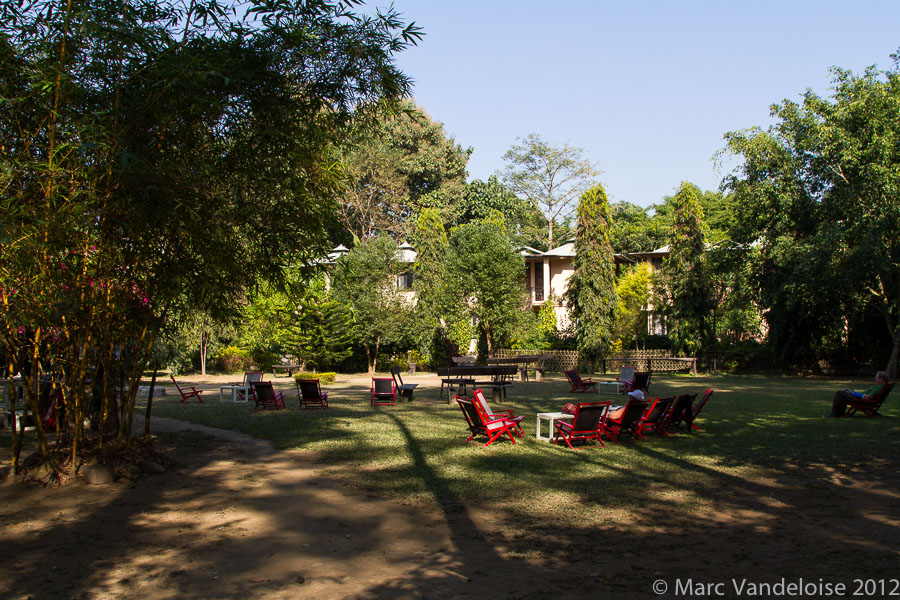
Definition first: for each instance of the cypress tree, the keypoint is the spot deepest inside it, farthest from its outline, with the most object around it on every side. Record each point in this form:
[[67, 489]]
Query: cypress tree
[[592, 288]]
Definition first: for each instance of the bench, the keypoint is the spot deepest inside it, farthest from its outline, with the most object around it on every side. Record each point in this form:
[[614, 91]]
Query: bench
[[405, 389], [289, 368]]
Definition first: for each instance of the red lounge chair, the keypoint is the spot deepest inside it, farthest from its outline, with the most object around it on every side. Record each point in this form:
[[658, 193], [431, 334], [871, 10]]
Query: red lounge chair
[[679, 415], [654, 417], [310, 395], [266, 396], [480, 424], [503, 414], [185, 396], [588, 422], [383, 391], [641, 382], [870, 408], [578, 384], [695, 410], [627, 421]]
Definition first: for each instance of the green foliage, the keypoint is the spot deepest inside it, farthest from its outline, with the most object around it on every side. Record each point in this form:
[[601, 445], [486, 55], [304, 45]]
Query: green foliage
[[684, 286], [323, 333], [325, 377], [399, 165], [592, 292], [365, 279], [233, 359], [157, 158], [633, 230], [551, 178], [818, 193], [431, 250], [633, 291], [484, 279]]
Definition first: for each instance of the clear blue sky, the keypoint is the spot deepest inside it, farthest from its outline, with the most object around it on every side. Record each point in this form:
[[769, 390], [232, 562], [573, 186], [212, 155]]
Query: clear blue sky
[[646, 88]]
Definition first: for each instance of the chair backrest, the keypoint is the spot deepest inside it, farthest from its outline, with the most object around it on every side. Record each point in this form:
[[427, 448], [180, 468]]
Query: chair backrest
[[626, 374], [471, 415], [383, 386], [699, 406], [265, 393], [641, 380], [589, 416], [309, 389], [463, 360], [681, 408], [178, 387], [480, 399], [395, 374], [658, 409], [573, 377], [634, 410], [252, 376]]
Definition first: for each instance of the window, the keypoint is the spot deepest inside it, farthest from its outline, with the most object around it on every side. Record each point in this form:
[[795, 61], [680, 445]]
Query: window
[[405, 281]]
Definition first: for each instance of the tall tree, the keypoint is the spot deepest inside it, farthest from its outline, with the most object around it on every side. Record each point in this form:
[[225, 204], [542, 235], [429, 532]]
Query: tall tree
[[484, 277], [592, 287], [633, 230], [396, 166], [550, 177], [685, 282], [818, 193], [366, 280], [430, 239], [156, 156]]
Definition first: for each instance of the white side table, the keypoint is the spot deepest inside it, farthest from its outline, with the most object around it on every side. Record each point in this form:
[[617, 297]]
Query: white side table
[[234, 391], [610, 387], [551, 417]]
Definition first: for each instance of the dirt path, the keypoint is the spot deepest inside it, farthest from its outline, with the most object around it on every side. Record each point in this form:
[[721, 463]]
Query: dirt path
[[235, 518]]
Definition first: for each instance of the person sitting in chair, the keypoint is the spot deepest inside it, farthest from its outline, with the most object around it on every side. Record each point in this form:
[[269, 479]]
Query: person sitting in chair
[[843, 397]]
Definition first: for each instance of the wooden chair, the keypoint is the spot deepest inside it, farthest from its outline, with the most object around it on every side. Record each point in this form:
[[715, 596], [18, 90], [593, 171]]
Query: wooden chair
[[588, 423], [383, 391], [185, 396], [870, 408], [654, 417], [250, 377], [481, 424], [578, 384], [310, 395], [503, 414], [405, 389], [266, 397], [696, 408], [627, 420], [640, 382], [680, 414]]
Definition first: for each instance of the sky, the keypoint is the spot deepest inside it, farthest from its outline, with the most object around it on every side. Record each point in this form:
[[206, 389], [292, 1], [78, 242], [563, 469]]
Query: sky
[[647, 89]]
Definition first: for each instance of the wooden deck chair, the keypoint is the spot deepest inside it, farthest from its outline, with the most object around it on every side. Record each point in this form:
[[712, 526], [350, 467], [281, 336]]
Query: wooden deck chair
[[588, 422], [679, 415], [185, 396], [640, 382], [310, 395], [483, 424], [249, 378], [625, 420], [502, 414], [266, 397], [578, 384], [696, 408], [626, 375], [870, 408], [654, 417], [406, 389], [383, 391]]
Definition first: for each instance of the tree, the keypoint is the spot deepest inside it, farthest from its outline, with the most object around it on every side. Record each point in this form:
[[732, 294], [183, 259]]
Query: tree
[[633, 230], [685, 287], [818, 194], [592, 291], [431, 245], [551, 178], [484, 278], [400, 164], [157, 157], [633, 293], [365, 279]]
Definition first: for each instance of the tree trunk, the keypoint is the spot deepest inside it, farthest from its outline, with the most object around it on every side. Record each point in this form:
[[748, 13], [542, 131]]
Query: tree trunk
[[892, 367], [150, 401], [204, 343]]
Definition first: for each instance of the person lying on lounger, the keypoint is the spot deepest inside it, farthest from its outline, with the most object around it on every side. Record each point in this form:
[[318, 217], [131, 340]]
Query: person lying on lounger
[[843, 397]]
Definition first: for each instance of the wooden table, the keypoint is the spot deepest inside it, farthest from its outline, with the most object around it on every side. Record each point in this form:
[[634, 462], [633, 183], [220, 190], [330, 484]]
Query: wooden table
[[465, 376]]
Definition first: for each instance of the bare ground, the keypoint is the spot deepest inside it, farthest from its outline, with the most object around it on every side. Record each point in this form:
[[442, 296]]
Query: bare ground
[[234, 518]]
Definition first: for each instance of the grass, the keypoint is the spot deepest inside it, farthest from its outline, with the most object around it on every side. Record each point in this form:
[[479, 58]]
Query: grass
[[416, 452]]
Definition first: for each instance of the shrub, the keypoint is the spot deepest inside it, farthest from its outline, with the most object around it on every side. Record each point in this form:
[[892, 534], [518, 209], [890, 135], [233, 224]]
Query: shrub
[[233, 359], [324, 378]]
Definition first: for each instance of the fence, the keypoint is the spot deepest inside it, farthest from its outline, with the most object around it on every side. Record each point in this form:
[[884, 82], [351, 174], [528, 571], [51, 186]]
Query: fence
[[649, 360]]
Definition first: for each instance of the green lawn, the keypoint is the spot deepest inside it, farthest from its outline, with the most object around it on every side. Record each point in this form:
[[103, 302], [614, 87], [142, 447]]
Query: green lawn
[[416, 452]]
